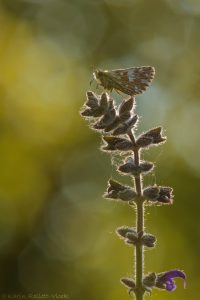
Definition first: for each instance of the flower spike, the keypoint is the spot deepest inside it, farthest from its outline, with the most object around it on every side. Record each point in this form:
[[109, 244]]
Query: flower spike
[[117, 125]]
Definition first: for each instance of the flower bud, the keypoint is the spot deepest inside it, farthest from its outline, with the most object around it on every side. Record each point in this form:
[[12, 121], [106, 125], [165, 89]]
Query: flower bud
[[146, 166], [128, 282], [151, 193], [159, 194], [148, 240], [150, 279], [127, 194], [129, 167], [124, 230], [132, 238], [129, 234], [165, 195], [117, 191]]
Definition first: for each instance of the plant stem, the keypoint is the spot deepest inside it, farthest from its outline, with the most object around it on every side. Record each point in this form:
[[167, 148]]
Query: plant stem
[[139, 253]]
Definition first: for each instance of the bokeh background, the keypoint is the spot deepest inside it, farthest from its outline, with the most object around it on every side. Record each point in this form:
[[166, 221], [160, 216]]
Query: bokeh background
[[57, 234]]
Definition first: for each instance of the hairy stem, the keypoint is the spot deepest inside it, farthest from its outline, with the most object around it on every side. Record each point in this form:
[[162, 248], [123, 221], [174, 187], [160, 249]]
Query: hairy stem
[[139, 253]]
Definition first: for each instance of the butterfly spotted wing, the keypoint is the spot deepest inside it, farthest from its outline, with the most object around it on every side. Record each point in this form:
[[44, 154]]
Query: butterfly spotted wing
[[131, 81]]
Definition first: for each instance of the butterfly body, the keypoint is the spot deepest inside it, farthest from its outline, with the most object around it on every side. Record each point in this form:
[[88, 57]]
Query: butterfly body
[[131, 81], [104, 78]]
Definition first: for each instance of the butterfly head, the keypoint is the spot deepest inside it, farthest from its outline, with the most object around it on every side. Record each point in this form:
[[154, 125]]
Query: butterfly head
[[98, 75]]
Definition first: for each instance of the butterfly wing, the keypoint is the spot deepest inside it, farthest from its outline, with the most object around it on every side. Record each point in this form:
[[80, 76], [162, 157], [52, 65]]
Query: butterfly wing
[[132, 81]]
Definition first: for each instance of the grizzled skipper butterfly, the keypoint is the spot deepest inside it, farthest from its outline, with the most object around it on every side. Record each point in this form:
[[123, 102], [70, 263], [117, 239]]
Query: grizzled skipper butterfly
[[131, 81]]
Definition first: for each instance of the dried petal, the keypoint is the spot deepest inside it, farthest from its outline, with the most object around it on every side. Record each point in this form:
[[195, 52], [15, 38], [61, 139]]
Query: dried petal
[[125, 116], [155, 133], [151, 137], [106, 120], [124, 145], [93, 106], [111, 142], [144, 141], [126, 127], [111, 195], [113, 125], [112, 184], [103, 102], [126, 105], [116, 143], [87, 112], [92, 100]]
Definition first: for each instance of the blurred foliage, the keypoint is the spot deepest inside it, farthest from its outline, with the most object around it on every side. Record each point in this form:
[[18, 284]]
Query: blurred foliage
[[57, 235]]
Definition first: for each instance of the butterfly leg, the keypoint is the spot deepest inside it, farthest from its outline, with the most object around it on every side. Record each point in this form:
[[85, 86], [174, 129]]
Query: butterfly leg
[[118, 92]]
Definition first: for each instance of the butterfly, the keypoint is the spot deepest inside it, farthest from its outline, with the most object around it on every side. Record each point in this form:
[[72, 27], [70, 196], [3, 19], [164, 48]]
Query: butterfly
[[131, 81]]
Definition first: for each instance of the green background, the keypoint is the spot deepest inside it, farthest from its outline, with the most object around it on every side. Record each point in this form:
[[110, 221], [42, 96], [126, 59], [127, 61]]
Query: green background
[[57, 234]]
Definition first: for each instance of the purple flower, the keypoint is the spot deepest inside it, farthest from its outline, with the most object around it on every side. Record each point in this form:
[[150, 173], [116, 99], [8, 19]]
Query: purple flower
[[165, 280]]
